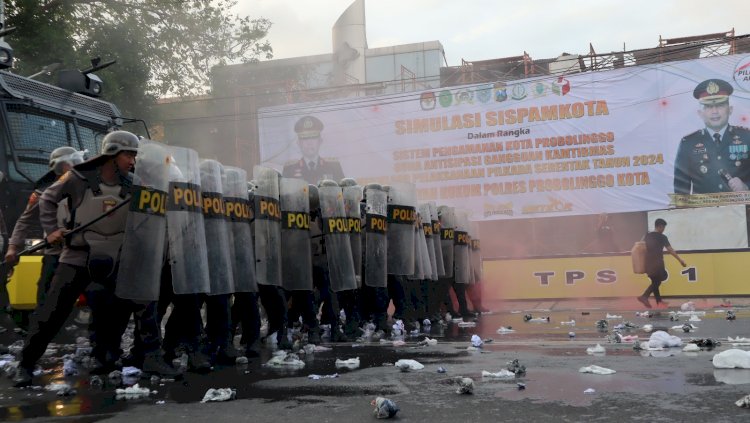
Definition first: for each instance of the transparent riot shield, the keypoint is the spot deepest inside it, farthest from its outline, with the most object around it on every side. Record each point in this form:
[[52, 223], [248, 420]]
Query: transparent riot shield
[[401, 217], [336, 235], [142, 254], [352, 201], [461, 241], [437, 248], [267, 226], [296, 255], [447, 228], [376, 242], [217, 230], [186, 233], [424, 211], [476, 253], [239, 214]]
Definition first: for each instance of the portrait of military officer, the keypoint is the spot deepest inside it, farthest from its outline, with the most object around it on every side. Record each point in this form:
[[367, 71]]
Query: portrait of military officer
[[715, 158], [311, 167]]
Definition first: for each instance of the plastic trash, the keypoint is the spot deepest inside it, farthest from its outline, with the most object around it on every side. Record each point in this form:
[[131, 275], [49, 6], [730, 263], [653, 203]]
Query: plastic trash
[[502, 374], [465, 386], [598, 349], [384, 408], [571, 334], [398, 328], [643, 314], [743, 402], [648, 328], [58, 387], [569, 323], [602, 324], [410, 364], [220, 394], [426, 323], [589, 391], [691, 348], [685, 328], [517, 368], [441, 370], [463, 324], [694, 318], [132, 392], [661, 339], [504, 329], [707, 343], [476, 341], [612, 316], [130, 371], [732, 359], [629, 338], [318, 377], [427, 342], [399, 343], [350, 363], [521, 386], [731, 315], [593, 369], [70, 367], [285, 359], [688, 306]]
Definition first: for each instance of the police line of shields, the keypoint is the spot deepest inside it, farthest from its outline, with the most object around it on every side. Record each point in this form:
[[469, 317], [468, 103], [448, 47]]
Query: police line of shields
[[436, 246], [376, 263], [336, 236], [429, 245], [401, 218], [352, 200], [461, 263], [217, 231], [296, 261], [476, 254], [267, 226], [142, 254], [239, 214], [188, 255], [447, 228]]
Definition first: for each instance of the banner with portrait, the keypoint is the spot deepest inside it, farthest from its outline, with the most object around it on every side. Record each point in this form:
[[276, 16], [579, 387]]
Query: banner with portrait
[[629, 139]]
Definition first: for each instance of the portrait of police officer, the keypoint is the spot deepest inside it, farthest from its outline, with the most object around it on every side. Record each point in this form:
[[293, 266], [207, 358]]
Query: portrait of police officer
[[714, 158], [311, 167]]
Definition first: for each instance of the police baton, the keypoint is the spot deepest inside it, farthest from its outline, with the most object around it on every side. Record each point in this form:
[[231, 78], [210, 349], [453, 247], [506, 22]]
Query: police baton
[[45, 244]]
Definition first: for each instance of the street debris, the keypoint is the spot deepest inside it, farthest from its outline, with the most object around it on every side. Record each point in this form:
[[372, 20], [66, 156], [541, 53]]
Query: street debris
[[61, 389], [691, 348], [743, 402], [661, 339], [589, 391], [694, 318], [284, 359], [441, 370], [384, 408], [132, 392], [731, 315], [688, 306], [350, 363], [626, 326], [521, 386], [318, 377], [612, 316], [130, 371], [569, 323], [732, 359], [476, 341], [241, 360], [571, 334], [427, 342], [410, 364], [465, 386], [739, 342], [504, 329], [598, 349], [643, 314], [220, 394], [705, 343], [687, 327], [502, 374], [70, 367], [532, 319], [602, 324], [648, 328], [596, 370], [463, 324], [517, 368]]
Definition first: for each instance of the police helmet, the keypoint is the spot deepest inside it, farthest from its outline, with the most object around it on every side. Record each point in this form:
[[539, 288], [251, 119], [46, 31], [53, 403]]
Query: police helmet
[[118, 141], [347, 182], [314, 197], [327, 183], [370, 186], [63, 155]]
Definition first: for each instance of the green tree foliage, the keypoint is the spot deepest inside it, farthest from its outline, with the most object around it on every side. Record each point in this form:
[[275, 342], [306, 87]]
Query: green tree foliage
[[162, 47]]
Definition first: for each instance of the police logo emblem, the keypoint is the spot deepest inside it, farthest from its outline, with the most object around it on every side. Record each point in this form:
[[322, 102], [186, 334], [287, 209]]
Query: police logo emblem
[[712, 88], [703, 169], [108, 205]]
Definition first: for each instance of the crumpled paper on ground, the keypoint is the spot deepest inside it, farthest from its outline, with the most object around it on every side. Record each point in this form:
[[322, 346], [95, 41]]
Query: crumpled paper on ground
[[612, 316], [502, 374], [739, 342], [132, 392], [503, 330], [130, 371], [743, 402], [691, 348], [465, 386], [220, 394], [661, 339], [284, 359], [350, 363], [688, 306], [318, 377], [384, 408], [476, 341], [732, 359], [463, 324], [427, 342], [410, 364], [596, 370], [598, 349]]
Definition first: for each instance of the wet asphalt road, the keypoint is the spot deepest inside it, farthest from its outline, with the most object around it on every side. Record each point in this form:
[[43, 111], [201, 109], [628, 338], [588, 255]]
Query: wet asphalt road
[[666, 386]]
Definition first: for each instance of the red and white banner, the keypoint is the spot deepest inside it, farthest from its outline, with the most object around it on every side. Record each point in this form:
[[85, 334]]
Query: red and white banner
[[548, 146]]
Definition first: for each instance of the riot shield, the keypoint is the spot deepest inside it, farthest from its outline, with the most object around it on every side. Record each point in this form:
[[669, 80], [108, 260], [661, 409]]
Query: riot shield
[[461, 241], [239, 215], [352, 200], [476, 254], [296, 254], [424, 211], [267, 226], [375, 262], [217, 229], [447, 227], [336, 235], [142, 256], [437, 248], [186, 233], [401, 217]]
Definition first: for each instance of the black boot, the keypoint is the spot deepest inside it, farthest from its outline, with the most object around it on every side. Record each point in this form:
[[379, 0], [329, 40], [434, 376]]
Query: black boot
[[283, 340], [313, 336], [154, 364], [197, 361], [337, 335], [22, 377]]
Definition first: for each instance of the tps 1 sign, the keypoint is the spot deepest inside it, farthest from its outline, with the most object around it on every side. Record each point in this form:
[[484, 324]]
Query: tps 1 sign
[[630, 139]]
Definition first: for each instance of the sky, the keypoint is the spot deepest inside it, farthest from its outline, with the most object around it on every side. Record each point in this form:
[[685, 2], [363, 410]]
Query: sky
[[486, 29]]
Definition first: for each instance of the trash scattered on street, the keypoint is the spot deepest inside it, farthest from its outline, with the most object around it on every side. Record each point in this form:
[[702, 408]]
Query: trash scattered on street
[[648, 328], [612, 316], [521, 386], [691, 348], [399, 343], [502, 374], [463, 324], [598, 349], [318, 377], [427, 342], [731, 315], [284, 359], [643, 313], [384, 408], [132, 392], [596, 370], [350, 363], [626, 326], [441, 370], [571, 334], [688, 306], [130, 371], [241, 360], [70, 367], [220, 394], [476, 341], [743, 402], [732, 359], [398, 328], [661, 339], [515, 367], [589, 391], [410, 364], [569, 323], [465, 386], [602, 324], [739, 342], [504, 329], [705, 343], [687, 327], [694, 318], [532, 319]]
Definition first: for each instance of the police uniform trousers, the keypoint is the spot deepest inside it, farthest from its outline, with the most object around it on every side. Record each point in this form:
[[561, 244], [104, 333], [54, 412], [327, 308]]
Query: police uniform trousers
[[322, 281], [218, 322], [273, 301], [245, 312], [303, 305], [375, 306], [460, 290], [49, 265], [443, 295], [475, 296], [185, 323], [397, 293]]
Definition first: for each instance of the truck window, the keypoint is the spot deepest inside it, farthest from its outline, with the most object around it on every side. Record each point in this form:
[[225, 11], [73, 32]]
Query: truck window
[[35, 134]]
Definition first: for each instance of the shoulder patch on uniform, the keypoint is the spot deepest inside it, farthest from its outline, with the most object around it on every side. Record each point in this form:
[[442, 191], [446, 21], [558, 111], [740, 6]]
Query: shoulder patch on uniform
[[698, 132], [64, 177], [33, 199]]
